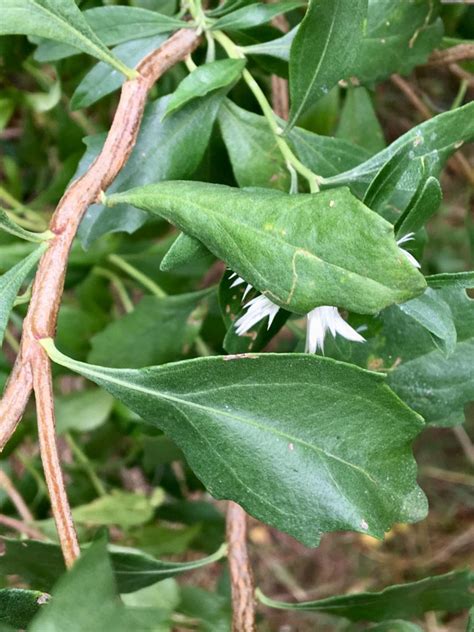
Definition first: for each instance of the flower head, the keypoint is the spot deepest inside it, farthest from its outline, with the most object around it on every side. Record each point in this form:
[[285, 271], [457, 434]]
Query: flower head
[[258, 308], [323, 319], [407, 254]]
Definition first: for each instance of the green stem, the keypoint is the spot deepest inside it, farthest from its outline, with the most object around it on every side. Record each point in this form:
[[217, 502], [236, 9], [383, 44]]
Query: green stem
[[137, 275], [463, 86], [118, 286], [12, 341], [86, 465], [235, 52]]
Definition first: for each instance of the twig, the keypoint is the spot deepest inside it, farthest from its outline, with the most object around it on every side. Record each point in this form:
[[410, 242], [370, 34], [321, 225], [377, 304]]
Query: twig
[[241, 576], [461, 52], [43, 386], [465, 443], [280, 99], [22, 508], [21, 527], [32, 366]]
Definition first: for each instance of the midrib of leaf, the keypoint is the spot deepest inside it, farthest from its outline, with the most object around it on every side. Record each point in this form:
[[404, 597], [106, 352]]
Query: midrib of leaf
[[233, 416], [90, 43], [316, 71]]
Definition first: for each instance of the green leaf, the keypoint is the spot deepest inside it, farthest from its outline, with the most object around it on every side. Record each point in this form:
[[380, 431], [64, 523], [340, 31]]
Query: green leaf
[[82, 411], [157, 331], [18, 606], [279, 47], [102, 80], [398, 36], [360, 269], [184, 250], [61, 21], [436, 386], [160, 153], [235, 419], [432, 312], [423, 205], [125, 509], [358, 123], [10, 284], [434, 140], [449, 592], [254, 14], [41, 563], [451, 279], [395, 626], [327, 39], [10, 226], [211, 609], [114, 25], [204, 79]]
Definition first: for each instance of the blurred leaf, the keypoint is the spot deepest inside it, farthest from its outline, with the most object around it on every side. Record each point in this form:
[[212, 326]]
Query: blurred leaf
[[41, 563], [125, 509], [114, 25], [398, 37], [254, 14], [158, 330], [160, 540], [327, 39], [205, 79], [46, 101], [7, 107], [10, 284], [449, 592], [10, 226], [19, 606], [82, 411], [160, 153], [360, 268], [358, 123], [61, 21], [395, 626], [211, 609], [454, 280], [239, 416], [102, 80]]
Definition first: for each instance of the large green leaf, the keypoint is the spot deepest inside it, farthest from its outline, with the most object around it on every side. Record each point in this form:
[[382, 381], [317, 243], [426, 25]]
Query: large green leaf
[[159, 329], [160, 153], [41, 564], [450, 592], [102, 80], [324, 462], [398, 37], [10, 284], [204, 79], [114, 25], [57, 20], [254, 14], [19, 606], [327, 40], [299, 250]]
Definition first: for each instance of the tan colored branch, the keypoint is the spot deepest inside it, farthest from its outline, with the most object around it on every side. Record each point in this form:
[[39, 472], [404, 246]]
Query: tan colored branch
[[21, 527], [280, 99], [32, 366], [16, 498], [241, 576], [461, 52]]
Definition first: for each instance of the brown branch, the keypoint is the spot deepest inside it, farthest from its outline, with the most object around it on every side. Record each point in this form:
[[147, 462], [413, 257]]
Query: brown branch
[[32, 366], [280, 99], [461, 52], [43, 386], [241, 576], [22, 508], [21, 527]]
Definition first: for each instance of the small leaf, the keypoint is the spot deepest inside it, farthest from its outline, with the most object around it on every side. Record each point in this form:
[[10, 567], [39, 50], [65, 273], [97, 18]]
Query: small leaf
[[184, 249], [337, 252], [82, 411], [204, 79], [125, 509], [279, 47], [41, 563], [358, 123], [10, 284], [450, 592], [327, 39], [451, 279], [61, 21], [423, 205], [302, 468], [19, 606], [254, 15], [10, 226]]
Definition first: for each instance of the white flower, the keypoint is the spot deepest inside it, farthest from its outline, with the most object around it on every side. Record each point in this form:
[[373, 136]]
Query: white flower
[[239, 281], [407, 254], [324, 318], [258, 308]]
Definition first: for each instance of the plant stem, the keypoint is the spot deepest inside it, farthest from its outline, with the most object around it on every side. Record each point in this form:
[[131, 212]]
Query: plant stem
[[86, 465], [233, 51], [21, 527], [241, 576], [43, 387], [137, 275], [22, 508], [118, 286]]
